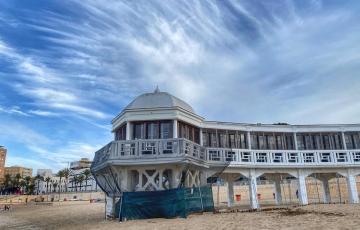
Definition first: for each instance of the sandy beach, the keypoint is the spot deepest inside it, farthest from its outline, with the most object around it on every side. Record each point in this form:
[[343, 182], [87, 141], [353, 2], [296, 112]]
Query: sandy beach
[[84, 215]]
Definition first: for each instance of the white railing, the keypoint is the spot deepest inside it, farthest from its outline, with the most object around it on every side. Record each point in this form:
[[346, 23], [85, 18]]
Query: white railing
[[283, 157], [147, 149], [179, 147]]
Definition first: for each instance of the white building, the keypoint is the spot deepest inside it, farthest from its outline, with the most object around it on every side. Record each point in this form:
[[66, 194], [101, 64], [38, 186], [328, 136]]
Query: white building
[[71, 184], [158, 136], [77, 169]]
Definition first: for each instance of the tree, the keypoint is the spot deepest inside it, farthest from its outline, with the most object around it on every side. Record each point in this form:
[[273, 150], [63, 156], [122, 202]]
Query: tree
[[22, 184], [60, 174], [87, 176], [17, 180], [55, 184], [38, 178], [47, 180], [75, 180], [66, 176], [80, 179], [7, 181], [27, 180]]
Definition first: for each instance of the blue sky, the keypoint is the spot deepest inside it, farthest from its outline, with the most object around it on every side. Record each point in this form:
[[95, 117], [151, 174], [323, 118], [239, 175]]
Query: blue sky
[[68, 67]]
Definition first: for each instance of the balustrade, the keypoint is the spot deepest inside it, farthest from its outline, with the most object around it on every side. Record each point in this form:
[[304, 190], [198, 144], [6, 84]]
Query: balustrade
[[179, 147]]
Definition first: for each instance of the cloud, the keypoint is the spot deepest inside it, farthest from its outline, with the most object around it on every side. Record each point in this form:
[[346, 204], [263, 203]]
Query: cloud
[[43, 113], [13, 110], [13, 131], [242, 61], [25, 162], [43, 84]]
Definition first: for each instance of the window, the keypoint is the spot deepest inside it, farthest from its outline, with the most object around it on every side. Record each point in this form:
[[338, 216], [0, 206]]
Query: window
[[120, 133], [165, 130], [139, 131], [152, 130], [189, 132], [300, 142]]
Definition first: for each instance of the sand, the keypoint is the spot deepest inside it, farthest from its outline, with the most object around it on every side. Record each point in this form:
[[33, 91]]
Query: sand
[[85, 215]]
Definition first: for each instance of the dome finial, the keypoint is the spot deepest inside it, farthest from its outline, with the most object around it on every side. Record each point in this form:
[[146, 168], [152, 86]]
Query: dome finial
[[157, 90]]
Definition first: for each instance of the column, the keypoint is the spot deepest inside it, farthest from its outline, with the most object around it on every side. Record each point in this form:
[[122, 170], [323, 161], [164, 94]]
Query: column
[[248, 139], [295, 142], [302, 193], [203, 178], [343, 140], [128, 130], [230, 193], [352, 190], [326, 190], [253, 192], [278, 196], [124, 180], [110, 207], [175, 129], [175, 178], [161, 179], [201, 137]]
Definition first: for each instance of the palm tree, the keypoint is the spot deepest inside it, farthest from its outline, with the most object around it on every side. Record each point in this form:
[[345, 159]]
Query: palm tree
[[87, 175], [38, 178], [17, 180], [66, 176], [7, 181], [60, 174], [27, 180], [80, 179], [22, 184], [47, 180], [74, 180], [55, 184]]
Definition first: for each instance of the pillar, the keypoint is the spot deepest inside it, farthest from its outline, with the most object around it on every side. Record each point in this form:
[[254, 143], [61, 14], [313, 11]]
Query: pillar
[[128, 130], [352, 190], [326, 190], [248, 139], [295, 142], [175, 178], [124, 180], [175, 129], [253, 192], [343, 140], [278, 196], [203, 178], [110, 206], [230, 193], [201, 137], [302, 193]]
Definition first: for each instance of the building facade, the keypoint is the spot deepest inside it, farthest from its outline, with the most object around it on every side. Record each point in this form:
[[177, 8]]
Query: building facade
[[51, 183], [14, 170], [2, 163], [77, 170], [158, 137]]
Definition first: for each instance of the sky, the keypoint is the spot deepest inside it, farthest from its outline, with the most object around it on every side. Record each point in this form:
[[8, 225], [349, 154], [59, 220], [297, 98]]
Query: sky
[[68, 67]]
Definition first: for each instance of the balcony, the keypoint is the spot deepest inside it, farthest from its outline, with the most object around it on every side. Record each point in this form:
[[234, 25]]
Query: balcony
[[135, 152], [150, 151], [288, 158]]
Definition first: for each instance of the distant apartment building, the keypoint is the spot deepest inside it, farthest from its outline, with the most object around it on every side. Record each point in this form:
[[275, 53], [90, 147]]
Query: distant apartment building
[[2, 163], [83, 163], [14, 170], [72, 184], [77, 168], [44, 173]]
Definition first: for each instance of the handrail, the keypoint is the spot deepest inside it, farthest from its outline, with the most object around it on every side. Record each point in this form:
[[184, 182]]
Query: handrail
[[180, 147]]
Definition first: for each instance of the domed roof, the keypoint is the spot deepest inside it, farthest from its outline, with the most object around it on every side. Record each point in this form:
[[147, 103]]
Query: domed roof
[[158, 99]]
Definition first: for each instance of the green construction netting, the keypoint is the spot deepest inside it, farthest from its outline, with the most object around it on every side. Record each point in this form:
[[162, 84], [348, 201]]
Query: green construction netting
[[165, 204]]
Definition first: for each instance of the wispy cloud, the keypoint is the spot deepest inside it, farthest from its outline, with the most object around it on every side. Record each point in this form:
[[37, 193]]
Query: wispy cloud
[[43, 113], [13, 110], [246, 61]]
